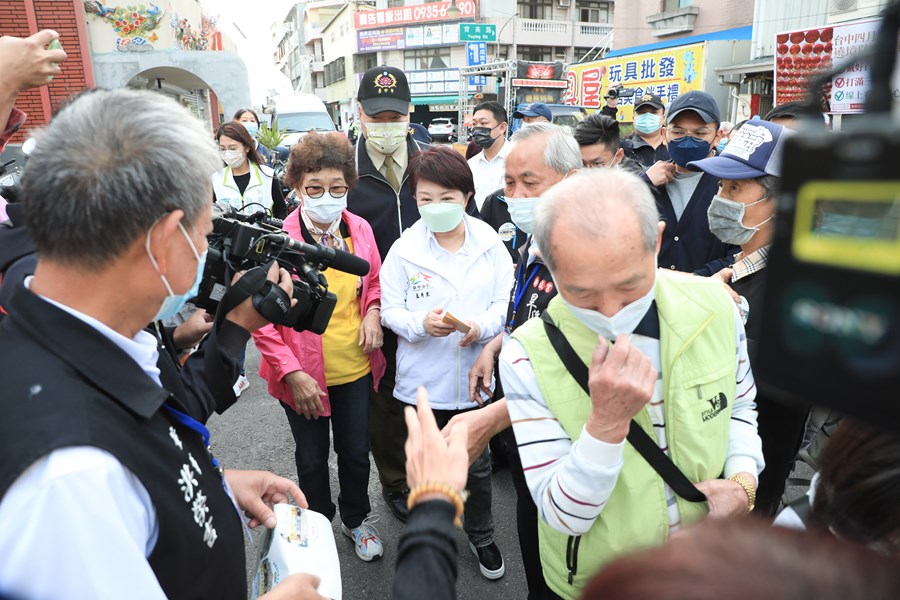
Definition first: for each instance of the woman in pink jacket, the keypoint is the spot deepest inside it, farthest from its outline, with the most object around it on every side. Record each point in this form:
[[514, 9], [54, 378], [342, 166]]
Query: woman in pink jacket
[[327, 378]]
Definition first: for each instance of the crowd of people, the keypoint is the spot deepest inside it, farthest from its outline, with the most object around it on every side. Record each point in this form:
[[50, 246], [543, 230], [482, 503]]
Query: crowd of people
[[590, 301]]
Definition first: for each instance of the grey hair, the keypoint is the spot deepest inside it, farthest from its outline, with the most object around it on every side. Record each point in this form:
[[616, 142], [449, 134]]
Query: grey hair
[[587, 196], [109, 165], [770, 184], [562, 153]]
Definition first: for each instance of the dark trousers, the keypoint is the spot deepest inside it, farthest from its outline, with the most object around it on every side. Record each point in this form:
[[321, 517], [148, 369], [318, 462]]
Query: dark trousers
[[387, 429], [349, 419], [781, 429], [478, 521]]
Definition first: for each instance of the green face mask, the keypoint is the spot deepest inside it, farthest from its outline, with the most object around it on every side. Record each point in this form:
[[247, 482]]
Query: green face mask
[[441, 217]]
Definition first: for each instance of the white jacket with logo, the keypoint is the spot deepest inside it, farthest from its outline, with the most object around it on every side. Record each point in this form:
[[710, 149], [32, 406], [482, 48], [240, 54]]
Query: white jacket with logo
[[256, 197], [473, 284]]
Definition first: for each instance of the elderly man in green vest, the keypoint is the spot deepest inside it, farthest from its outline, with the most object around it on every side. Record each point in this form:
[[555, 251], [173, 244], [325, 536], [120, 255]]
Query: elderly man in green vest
[[666, 350]]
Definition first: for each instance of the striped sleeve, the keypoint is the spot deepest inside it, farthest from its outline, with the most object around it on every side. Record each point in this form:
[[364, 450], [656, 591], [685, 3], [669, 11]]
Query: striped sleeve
[[744, 443], [570, 482]]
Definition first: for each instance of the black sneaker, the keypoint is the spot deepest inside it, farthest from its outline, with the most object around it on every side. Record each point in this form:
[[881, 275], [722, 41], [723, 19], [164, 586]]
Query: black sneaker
[[490, 561], [396, 502]]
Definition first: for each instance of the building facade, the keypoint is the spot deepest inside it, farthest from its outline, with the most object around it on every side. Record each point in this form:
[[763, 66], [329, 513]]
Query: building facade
[[174, 49], [641, 22]]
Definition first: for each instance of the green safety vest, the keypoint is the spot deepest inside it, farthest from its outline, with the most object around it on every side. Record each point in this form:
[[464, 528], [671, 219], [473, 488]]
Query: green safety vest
[[697, 355]]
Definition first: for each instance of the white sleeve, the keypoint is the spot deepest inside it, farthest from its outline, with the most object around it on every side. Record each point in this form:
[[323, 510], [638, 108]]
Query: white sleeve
[[491, 321], [394, 315], [744, 444], [77, 524], [570, 482]]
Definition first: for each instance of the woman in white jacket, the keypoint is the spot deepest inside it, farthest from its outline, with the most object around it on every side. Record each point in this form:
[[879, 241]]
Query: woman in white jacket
[[447, 264]]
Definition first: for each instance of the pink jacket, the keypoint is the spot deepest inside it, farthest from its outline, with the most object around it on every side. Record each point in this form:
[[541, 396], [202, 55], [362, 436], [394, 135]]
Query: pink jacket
[[285, 350]]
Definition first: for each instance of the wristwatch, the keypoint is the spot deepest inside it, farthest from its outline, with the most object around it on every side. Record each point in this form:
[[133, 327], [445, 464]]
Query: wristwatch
[[746, 483]]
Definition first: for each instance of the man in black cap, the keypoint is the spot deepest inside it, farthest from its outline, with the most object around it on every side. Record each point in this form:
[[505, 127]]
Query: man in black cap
[[645, 143], [536, 112], [683, 195]]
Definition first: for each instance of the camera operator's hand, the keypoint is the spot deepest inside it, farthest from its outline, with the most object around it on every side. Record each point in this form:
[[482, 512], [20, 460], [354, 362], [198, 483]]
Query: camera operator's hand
[[434, 324], [430, 457], [27, 62], [245, 315], [621, 380], [371, 336], [306, 393], [188, 334], [661, 172]]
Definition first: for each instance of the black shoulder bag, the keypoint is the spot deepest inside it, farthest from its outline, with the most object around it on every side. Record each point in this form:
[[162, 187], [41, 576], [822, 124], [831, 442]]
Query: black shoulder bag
[[637, 437]]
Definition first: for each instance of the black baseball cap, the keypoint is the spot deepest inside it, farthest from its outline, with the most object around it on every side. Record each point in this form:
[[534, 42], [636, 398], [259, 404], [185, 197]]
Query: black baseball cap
[[701, 103], [383, 89], [648, 100]]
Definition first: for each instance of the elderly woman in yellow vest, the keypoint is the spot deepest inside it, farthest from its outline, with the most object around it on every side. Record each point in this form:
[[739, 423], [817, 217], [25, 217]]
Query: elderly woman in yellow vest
[[677, 367], [246, 184]]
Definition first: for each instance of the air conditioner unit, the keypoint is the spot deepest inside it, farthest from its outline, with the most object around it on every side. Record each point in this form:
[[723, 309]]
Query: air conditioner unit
[[565, 3]]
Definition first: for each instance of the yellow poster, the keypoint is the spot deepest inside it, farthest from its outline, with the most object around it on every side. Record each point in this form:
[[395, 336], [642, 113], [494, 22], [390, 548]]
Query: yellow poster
[[666, 73]]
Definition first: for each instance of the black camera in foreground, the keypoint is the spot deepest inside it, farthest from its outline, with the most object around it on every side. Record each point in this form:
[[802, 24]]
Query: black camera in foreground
[[251, 243]]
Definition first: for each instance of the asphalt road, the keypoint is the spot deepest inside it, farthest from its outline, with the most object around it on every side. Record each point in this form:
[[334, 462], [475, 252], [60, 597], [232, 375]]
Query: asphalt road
[[254, 434]]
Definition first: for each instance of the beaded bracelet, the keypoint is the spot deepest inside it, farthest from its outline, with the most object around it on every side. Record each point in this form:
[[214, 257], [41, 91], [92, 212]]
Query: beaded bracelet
[[457, 499]]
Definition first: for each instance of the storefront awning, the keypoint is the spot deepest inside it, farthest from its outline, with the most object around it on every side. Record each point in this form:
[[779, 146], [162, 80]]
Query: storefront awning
[[420, 100], [757, 65]]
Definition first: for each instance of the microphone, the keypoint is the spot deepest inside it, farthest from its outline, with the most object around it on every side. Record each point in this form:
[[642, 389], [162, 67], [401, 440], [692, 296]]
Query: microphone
[[336, 259]]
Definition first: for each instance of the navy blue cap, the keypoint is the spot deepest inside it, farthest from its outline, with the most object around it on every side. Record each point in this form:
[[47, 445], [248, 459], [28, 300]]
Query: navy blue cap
[[701, 103], [535, 109], [754, 151]]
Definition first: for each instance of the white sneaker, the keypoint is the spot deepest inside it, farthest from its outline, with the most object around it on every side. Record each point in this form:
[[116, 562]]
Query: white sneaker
[[241, 384], [365, 538]]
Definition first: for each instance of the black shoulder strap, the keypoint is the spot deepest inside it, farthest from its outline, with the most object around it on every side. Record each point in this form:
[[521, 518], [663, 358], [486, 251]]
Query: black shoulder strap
[[638, 438]]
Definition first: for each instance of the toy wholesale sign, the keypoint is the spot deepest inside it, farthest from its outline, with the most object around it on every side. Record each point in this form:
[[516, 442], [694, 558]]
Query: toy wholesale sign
[[666, 73], [802, 54]]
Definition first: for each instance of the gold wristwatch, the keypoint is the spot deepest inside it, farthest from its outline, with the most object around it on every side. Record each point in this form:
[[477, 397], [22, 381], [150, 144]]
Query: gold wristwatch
[[746, 483]]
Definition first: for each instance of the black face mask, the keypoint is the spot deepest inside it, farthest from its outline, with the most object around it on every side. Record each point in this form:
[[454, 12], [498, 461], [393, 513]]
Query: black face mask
[[482, 137]]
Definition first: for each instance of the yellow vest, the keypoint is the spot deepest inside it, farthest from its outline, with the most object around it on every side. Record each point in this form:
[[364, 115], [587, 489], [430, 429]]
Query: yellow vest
[[697, 357]]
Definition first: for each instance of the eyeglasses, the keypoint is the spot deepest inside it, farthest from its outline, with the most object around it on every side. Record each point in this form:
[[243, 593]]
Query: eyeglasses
[[317, 191], [676, 133]]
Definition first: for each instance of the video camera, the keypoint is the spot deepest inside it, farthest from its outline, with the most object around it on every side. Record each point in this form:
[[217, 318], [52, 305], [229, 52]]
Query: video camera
[[832, 298], [251, 243], [619, 92]]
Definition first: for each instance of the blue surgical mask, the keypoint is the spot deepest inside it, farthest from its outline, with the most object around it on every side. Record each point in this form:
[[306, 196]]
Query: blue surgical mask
[[688, 149], [647, 123], [721, 145], [252, 128], [521, 211], [174, 302]]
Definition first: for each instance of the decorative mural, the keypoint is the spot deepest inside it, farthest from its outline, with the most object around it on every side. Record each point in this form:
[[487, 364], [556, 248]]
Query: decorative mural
[[187, 38], [135, 25]]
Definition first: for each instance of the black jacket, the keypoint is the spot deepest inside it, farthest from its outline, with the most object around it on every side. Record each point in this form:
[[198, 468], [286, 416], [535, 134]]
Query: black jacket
[[495, 212], [17, 258], [687, 244], [388, 212], [427, 556], [65, 384], [636, 148]]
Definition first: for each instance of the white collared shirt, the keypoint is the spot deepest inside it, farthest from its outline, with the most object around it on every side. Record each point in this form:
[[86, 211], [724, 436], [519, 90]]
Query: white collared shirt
[[488, 174], [77, 523]]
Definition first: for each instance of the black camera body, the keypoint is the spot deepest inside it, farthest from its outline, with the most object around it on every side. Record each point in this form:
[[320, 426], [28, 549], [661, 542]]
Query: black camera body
[[619, 92], [244, 243]]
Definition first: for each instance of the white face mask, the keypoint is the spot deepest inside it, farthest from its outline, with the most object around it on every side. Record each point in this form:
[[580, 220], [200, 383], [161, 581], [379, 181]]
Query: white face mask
[[326, 208], [232, 158], [386, 137], [521, 211], [624, 321]]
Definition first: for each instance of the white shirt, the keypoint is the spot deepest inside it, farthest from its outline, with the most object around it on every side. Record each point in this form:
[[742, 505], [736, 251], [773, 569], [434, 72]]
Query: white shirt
[[54, 543], [488, 174]]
